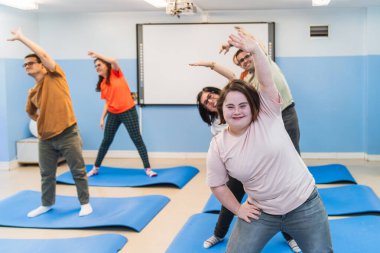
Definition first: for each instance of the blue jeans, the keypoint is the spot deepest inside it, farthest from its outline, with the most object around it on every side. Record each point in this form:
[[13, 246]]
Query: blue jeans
[[307, 224]]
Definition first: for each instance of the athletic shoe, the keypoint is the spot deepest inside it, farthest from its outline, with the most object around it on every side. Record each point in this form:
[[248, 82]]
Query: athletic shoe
[[213, 240], [294, 246], [150, 173], [93, 172]]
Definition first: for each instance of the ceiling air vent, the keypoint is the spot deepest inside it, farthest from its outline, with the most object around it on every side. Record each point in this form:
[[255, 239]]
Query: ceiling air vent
[[319, 31]]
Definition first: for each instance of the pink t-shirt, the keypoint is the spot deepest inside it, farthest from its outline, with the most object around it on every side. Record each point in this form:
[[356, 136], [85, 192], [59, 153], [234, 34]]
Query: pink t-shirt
[[264, 159]]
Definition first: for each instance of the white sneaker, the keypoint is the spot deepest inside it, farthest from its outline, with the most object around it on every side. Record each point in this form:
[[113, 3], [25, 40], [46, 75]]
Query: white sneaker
[[213, 240], [150, 173], [85, 209], [93, 172], [38, 211], [294, 246]]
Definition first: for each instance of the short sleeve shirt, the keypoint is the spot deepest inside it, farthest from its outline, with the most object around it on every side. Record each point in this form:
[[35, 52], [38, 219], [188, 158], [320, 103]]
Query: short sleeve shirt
[[51, 97], [117, 94], [264, 159]]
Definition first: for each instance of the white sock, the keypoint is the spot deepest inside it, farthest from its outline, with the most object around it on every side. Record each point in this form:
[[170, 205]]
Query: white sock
[[38, 211], [294, 246], [213, 240], [85, 209]]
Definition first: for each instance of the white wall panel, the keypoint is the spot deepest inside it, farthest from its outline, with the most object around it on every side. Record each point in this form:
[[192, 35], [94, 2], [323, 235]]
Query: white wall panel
[[69, 36], [347, 27], [10, 19], [373, 30]]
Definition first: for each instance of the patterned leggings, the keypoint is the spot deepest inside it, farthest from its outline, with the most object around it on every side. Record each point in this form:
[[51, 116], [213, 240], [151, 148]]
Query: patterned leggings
[[130, 120]]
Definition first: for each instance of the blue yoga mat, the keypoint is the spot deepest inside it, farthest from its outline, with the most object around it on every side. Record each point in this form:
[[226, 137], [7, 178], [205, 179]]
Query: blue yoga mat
[[199, 227], [119, 177], [343, 200], [352, 199], [349, 235], [106, 243], [331, 173], [133, 212], [356, 234]]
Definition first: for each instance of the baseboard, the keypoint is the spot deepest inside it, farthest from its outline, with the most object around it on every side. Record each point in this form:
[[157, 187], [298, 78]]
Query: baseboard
[[8, 165], [373, 157], [201, 155], [4, 165]]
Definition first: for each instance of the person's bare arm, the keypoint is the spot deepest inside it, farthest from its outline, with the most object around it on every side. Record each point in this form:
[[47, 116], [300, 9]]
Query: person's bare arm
[[46, 60], [225, 47], [112, 61], [262, 66], [217, 68], [31, 110], [104, 114], [245, 211]]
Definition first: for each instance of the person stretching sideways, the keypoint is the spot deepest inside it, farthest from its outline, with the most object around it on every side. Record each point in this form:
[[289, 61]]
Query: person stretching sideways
[[49, 103], [289, 116], [119, 108], [282, 195]]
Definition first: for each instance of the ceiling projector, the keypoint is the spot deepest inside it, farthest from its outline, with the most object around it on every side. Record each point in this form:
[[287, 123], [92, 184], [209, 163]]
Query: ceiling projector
[[179, 7]]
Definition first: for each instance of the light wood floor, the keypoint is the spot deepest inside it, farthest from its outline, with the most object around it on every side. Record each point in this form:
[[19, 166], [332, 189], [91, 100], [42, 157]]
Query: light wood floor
[[159, 233]]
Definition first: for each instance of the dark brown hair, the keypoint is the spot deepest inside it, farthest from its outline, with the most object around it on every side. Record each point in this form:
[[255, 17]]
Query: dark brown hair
[[207, 116], [101, 78], [247, 90], [35, 56], [234, 58]]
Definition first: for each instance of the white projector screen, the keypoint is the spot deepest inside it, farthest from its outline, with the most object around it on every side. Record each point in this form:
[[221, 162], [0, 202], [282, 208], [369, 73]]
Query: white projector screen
[[164, 52]]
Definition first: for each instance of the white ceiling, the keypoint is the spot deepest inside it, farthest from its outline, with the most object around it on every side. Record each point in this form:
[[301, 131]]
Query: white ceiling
[[205, 5]]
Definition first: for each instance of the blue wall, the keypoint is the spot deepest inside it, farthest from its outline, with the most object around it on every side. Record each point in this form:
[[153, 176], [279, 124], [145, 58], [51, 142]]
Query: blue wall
[[330, 92], [373, 104], [16, 125], [4, 154]]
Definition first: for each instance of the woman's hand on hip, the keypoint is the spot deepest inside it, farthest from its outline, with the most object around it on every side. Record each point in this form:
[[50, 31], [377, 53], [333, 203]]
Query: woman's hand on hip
[[248, 211]]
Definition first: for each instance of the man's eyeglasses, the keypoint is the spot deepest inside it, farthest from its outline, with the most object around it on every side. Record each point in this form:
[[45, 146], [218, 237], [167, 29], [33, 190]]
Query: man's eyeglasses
[[28, 64], [239, 62]]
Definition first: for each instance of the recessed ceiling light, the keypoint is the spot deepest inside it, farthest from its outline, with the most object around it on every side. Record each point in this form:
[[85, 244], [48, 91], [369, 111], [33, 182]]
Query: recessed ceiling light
[[320, 2], [21, 4], [157, 3]]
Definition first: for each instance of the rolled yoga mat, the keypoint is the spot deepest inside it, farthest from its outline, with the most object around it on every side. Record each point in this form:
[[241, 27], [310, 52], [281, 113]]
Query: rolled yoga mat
[[331, 173]]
